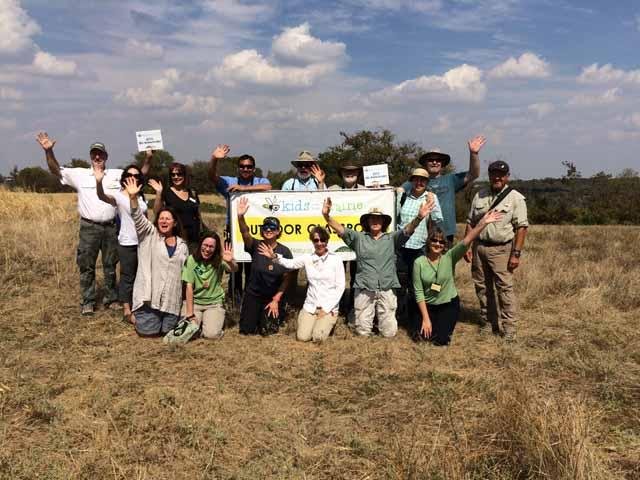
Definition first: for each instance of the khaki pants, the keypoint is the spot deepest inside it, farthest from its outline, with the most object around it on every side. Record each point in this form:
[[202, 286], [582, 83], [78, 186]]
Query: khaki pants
[[211, 317], [371, 303], [490, 276], [312, 327]]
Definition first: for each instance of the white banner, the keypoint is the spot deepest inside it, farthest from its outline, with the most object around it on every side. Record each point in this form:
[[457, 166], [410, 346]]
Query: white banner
[[299, 212]]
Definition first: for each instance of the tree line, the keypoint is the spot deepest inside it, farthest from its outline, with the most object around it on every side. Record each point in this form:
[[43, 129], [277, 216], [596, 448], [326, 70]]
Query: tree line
[[571, 199]]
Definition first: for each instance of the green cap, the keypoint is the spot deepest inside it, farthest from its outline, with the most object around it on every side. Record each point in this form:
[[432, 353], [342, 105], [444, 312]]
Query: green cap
[[98, 146]]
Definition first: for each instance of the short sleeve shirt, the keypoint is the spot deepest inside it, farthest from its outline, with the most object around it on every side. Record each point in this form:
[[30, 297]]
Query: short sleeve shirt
[[84, 182], [127, 235], [311, 184], [206, 281], [409, 210], [514, 208], [225, 182], [266, 275], [375, 259], [445, 188]]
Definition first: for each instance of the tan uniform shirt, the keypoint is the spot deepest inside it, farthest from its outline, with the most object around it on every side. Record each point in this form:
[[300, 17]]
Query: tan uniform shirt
[[513, 207]]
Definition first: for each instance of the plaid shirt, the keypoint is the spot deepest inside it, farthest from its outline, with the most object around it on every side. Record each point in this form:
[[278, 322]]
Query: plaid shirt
[[409, 211]]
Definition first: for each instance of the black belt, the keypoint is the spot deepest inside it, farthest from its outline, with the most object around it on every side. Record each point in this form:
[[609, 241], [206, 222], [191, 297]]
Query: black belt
[[488, 243], [102, 224]]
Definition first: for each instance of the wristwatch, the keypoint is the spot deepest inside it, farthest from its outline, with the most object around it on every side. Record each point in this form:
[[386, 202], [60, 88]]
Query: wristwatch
[[516, 253]]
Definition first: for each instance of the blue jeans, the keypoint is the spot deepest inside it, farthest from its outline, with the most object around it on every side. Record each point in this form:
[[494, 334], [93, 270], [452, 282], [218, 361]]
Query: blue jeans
[[151, 322]]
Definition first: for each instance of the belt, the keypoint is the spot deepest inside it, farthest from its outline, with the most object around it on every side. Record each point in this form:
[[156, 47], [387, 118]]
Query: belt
[[102, 224], [488, 243]]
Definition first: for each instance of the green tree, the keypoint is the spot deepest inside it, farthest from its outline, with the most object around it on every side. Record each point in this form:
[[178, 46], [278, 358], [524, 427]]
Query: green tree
[[278, 178], [159, 163], [37, 179], [371, 148], [78, 163]]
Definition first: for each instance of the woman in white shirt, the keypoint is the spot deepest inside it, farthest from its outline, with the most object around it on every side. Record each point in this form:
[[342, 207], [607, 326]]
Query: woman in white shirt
[[127, 236], [325, 276]]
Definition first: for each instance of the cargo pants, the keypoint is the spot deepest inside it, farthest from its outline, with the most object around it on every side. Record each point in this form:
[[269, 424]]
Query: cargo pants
[[93, 239]]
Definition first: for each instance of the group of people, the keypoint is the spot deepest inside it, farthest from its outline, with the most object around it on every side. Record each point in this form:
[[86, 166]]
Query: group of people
[[172, 269]]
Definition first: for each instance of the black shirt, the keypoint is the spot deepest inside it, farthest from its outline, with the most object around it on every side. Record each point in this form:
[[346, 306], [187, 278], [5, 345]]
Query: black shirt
[[188, 212], [266, 276]]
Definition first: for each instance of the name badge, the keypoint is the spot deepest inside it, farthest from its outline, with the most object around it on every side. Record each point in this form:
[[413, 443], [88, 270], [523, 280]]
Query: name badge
[[270, 267], [435, 287]]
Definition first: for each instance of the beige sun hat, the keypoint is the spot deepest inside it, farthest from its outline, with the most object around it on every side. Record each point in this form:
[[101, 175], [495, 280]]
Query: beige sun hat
[[304, 156], [419, 172], [364, 219]]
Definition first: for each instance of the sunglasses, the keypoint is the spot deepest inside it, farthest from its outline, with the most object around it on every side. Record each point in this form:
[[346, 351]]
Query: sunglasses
[[318, 240], [269, 228], [245, 167], [177, 175], [302, 165], [137, 176], [438, 241]]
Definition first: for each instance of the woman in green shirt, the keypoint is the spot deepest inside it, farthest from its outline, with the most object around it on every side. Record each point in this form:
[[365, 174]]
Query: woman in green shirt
[[433, 282], [203, 277]]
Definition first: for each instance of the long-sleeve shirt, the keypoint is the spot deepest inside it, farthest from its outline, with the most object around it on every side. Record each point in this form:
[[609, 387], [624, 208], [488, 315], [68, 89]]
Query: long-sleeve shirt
[[159, 276], [325, 275]]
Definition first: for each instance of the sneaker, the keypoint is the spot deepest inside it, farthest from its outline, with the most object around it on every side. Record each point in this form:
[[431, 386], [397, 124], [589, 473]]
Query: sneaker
[[87, 309]]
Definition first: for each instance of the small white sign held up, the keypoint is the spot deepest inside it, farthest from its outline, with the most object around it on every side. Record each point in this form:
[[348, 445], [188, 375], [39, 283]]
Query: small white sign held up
[[376, 175], [149, 139]]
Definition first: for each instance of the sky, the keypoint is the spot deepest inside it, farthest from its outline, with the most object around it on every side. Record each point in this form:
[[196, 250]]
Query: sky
[[545, 81]]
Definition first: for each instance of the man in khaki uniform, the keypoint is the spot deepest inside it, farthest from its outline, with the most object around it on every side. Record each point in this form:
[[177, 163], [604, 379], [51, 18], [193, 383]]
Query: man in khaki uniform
[[496, 253]]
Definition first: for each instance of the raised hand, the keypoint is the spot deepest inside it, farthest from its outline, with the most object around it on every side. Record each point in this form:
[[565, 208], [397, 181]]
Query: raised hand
[[243, 206], [476, 143], [428, 205], [131, 187], [227, 253], [266, 250], [45, 142], [318, 173], [156, 185], [326, 207], [98, 173], [492, 216], [221, 151]]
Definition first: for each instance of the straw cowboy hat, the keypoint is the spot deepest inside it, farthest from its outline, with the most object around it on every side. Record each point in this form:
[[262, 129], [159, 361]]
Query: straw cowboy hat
[[364, 219], [441, 157]]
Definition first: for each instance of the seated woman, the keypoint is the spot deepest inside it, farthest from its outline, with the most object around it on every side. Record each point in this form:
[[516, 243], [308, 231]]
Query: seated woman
[[262, 308], [182, 199], [325, 277], [127, 236], [203, 277], [157, 291], [433, 283]]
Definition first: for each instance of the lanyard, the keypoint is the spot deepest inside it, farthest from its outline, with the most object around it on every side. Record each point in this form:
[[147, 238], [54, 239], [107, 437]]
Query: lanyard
[[435, 270]]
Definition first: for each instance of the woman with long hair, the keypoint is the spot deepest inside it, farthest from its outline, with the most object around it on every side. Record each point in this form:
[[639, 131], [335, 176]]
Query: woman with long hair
[[434, 285], [203, 275]]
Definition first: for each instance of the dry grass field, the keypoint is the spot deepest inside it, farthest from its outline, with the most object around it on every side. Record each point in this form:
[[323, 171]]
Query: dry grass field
[[87, 399]]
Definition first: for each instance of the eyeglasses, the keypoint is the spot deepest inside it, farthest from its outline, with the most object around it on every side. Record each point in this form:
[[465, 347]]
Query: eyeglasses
[[318, 240], [177, 174], [245, 167], [269, 228], [437, 240]]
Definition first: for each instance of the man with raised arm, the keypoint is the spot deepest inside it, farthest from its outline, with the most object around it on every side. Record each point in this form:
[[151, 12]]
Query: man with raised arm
[[98, 231], [376, 276], [445, 185], [496, 252]]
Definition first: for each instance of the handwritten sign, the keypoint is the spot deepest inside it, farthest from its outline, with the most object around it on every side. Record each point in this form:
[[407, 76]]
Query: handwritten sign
[[376, 175], [149, 139]]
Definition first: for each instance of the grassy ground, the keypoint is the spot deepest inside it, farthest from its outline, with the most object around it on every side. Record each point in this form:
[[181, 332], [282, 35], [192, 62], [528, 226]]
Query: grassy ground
[[86, 398]]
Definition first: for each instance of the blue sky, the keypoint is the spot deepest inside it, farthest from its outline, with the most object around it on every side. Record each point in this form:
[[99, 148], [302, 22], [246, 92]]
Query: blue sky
[[544, 81]]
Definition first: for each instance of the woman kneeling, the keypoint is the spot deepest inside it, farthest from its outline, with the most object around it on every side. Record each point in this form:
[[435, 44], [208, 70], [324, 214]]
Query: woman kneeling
[[325, 276], [433, 282], [202, 275]]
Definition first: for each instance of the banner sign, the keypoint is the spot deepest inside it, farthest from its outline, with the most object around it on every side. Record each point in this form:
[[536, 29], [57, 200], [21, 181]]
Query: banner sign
[[299, 212], [375, 175], [149, 139]]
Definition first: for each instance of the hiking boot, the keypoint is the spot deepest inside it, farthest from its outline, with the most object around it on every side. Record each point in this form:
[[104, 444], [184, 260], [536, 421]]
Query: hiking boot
[[87, 309], [486, 329]]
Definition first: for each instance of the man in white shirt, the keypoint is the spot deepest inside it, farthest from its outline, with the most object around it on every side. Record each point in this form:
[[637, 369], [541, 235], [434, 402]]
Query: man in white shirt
[[98, 230]]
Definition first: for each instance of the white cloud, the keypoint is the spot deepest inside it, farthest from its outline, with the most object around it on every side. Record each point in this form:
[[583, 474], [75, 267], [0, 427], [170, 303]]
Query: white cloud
[[609, 97], [528, 65], [296, 45], [607, 74], [443, 125], [140, 49], [239, 12], [48, 64], [8, 93], [460, 83], [16, 27], [161, 93], [541, 109]]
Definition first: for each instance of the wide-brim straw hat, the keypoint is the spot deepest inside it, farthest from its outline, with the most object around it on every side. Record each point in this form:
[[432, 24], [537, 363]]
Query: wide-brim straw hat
[[350, 168], [419, 172], [364, 219], [443, 158], [304, 157]]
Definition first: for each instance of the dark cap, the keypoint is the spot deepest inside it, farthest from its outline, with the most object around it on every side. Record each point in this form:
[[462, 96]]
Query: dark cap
[[443, 158], [98, 146], [271, 222], [499, 166]]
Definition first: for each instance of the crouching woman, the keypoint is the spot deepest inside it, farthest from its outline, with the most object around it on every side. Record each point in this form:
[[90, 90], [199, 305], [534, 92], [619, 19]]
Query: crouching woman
[[157, 290], [325, 277], [203, 278]]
